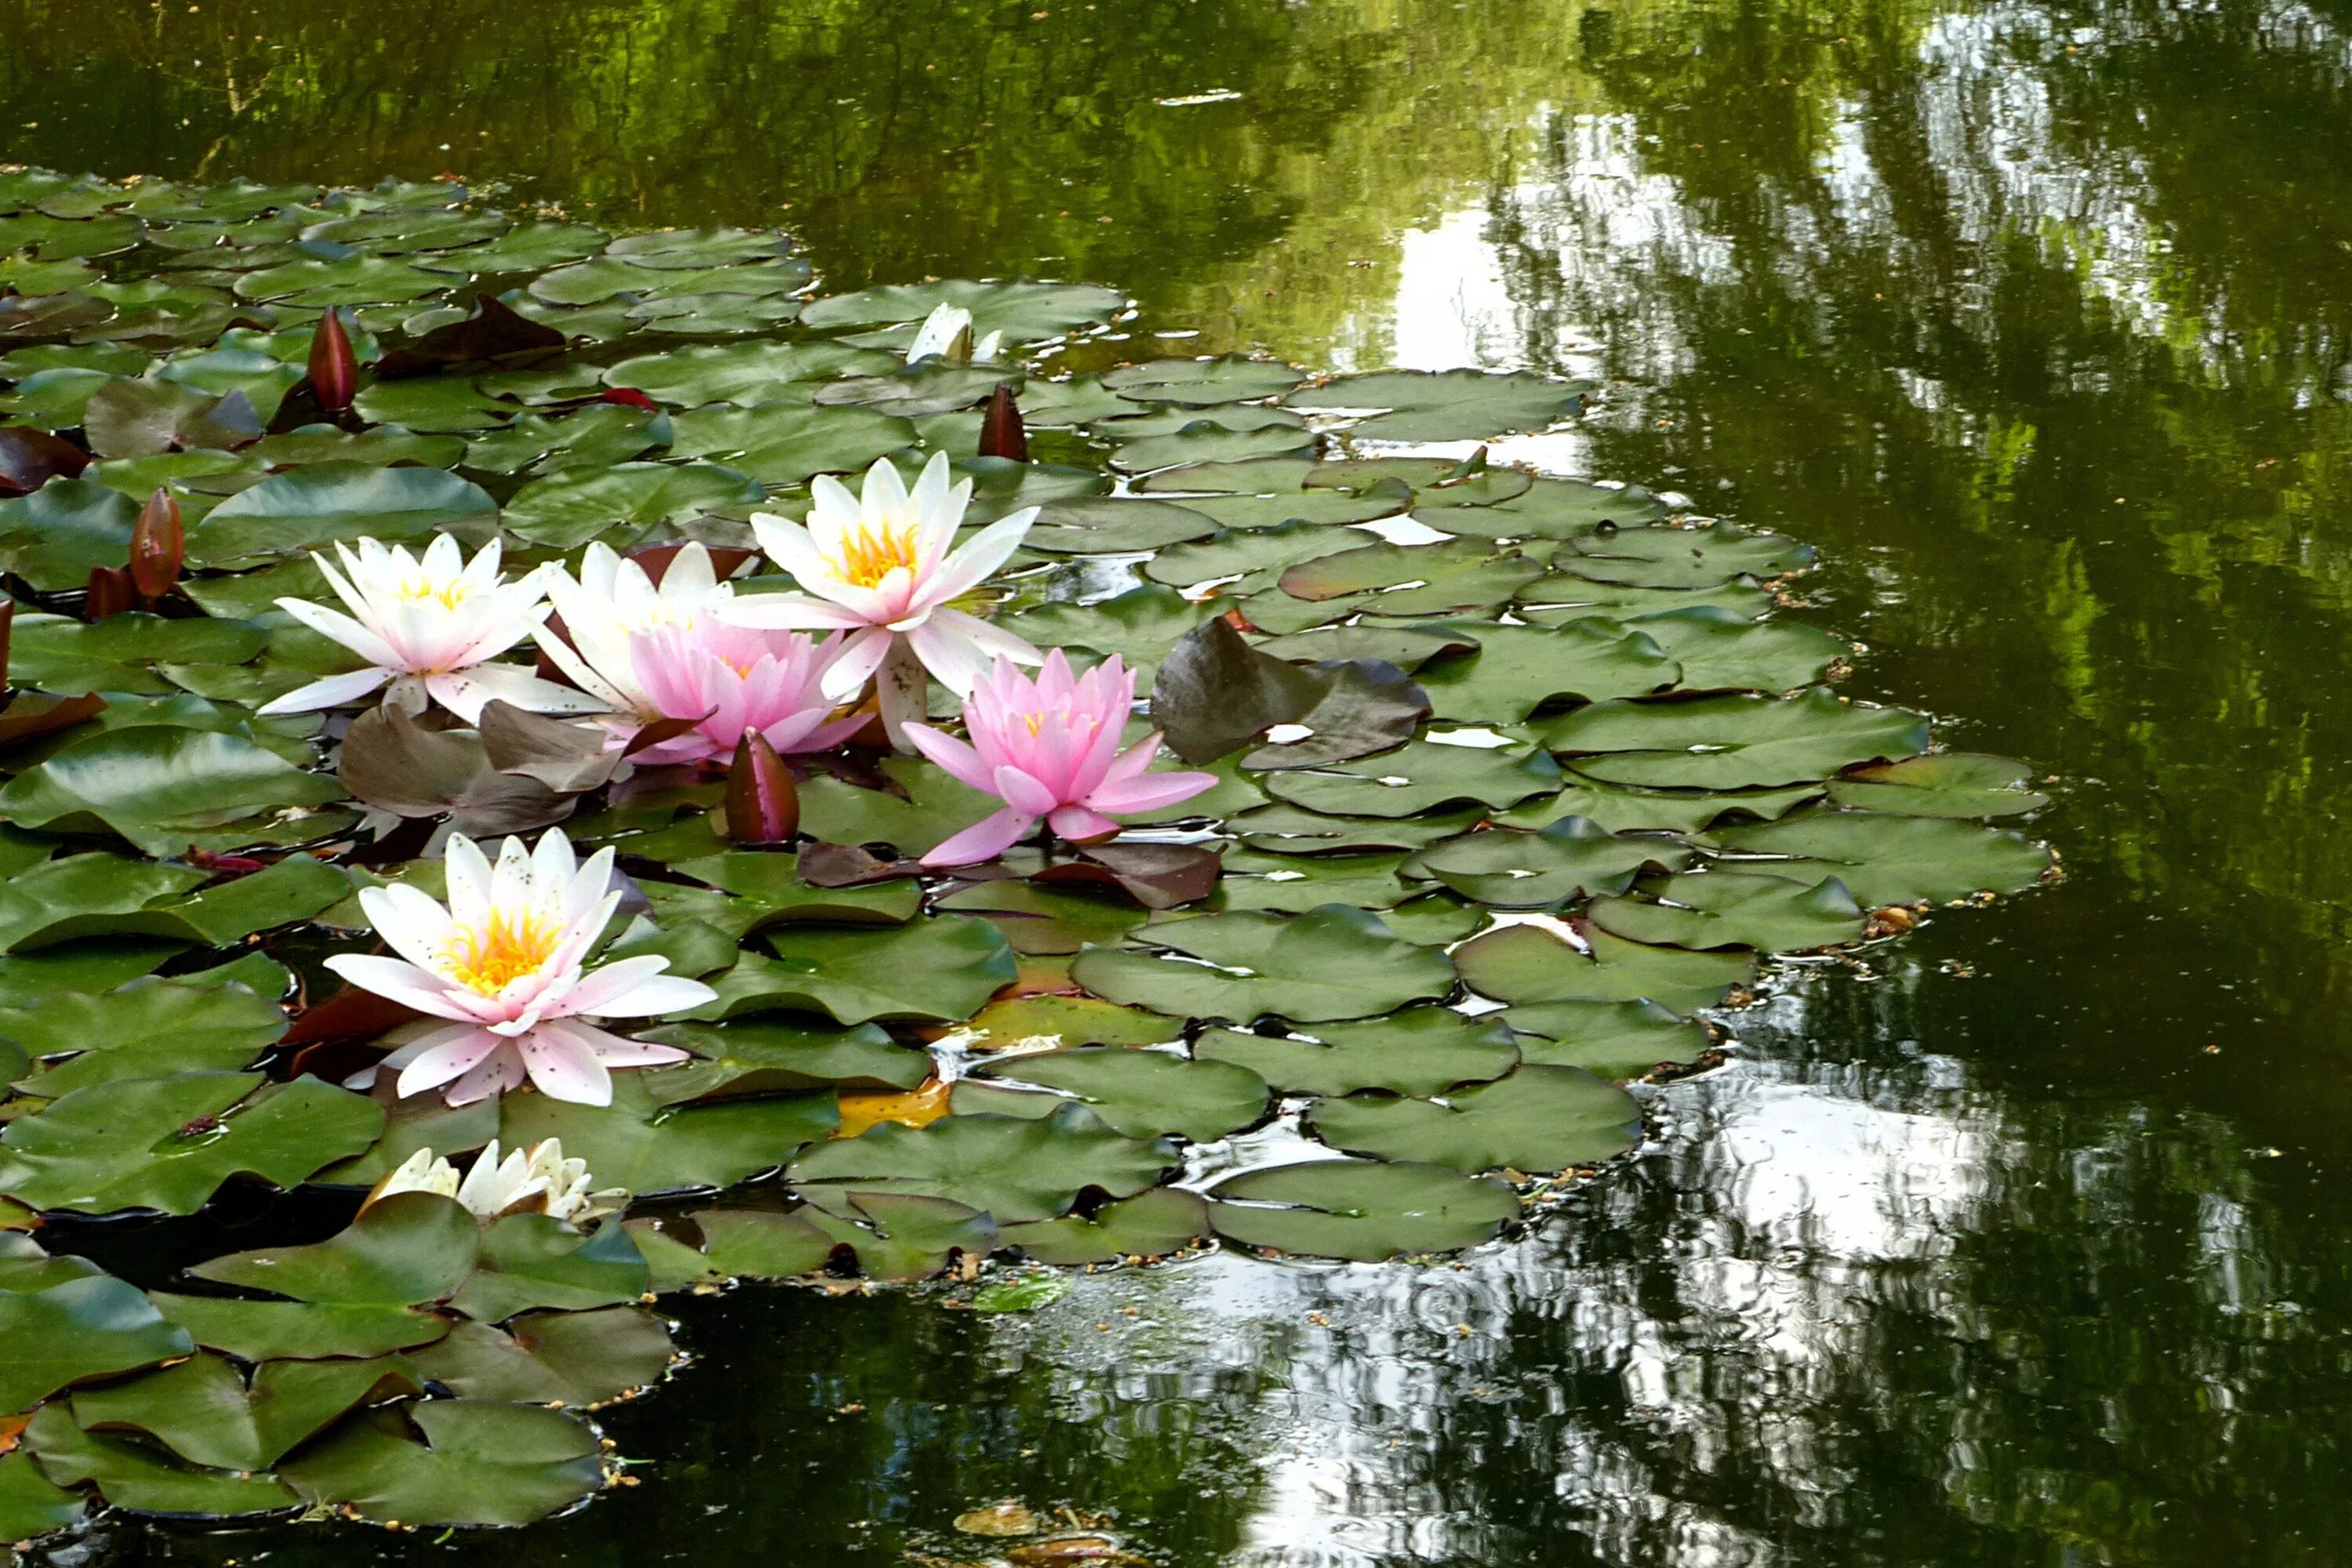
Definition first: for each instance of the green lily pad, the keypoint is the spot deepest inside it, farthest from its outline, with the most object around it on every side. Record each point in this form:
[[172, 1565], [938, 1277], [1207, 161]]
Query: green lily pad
[[1945, 783], [1015, 1168], [785, 443], [53, 537], [1048, 1022], [1284, 829], [646, 1145], [595, 437], [420, 1121], [1139, 625], [382, 447], [1572, 857], [1153, 1224], [1622, 810], [440, 404], [300, 1330], [1445, 406], [933, 809], [898, 1236], [1102, 525], [1421, 1050], [739, 373], [1332, 962], [1522, 964], [1024, 310], [208, 1413], [530, 1260], [1536, 1118], [1201, 383], [1665, 557], [142, 1478], [356, 281], [169, 1143], [1138, 1093], [1360, 1209], [1732, 742], [1294, 883], [1207, 441], [402, 1251], [1721, 651], [1238, 553], [553, 1358], [149, 1028], [307, 507], [768, 1056], [1888, 859], [1615, 1040], [1514, 670], [566, 510], [30, 1503], [160, 787], [1414, 579], [1735, 908], [1037, 917], [1420, 777], [1322, 508], [1553, 508], [77, 1328], [1407, 647], [51, 653], [940, 970], [86, 895], [478, 1463]]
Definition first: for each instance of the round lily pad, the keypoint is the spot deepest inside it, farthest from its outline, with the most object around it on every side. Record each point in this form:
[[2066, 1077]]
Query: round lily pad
[[1360, 1209], [1888, 859], [1572, 857], [1139, 1093], [1944, 783], [1149, 1225], [1528, 963], [451, 1461], [1333, 961], [1536, 1118], [1015, 1168], [1420, 1050], [1735, 908], [1615, 1040], [1448, 405], [1731, 742]]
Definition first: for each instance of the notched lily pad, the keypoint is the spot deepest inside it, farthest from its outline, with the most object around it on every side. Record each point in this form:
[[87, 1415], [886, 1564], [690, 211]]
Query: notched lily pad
[[1360, 1209], [1537, 1118], [1331, 962], [1138, 1093], [1015, 1168], [1420, 1050]]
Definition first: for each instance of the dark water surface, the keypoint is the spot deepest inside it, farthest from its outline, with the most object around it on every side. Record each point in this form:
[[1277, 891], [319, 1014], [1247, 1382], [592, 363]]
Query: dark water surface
[[2028, 1244]]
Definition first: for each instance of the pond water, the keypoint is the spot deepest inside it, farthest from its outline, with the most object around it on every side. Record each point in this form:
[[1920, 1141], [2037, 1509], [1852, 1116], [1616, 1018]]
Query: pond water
[[2025, 1243]]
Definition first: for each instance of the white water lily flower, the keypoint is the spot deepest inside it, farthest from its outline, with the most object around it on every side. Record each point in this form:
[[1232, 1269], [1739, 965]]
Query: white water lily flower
[[503, 964], [429, 626], [420, 1172], [611, 601], [880, 565], [946, 333], [537, 1181]]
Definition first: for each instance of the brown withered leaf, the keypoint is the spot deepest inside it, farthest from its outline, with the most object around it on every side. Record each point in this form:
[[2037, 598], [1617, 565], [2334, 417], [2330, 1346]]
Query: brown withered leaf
[[394, 763], [849, 866], [1214, 693], [1157, 876], [1369, 705]]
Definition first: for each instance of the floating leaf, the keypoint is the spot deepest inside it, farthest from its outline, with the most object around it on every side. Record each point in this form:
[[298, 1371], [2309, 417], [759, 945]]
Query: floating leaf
[[77, 1328], [1515, 671], [899, 1236], [1535, 1119], [1046, 1023], [302, 1331], [1138, 1093], [160, 787], [1615, 1040], [768, 1056], [1572, 857], [739, 373], [566, 510], [1153, 1224], [1732, 742], [480, 1463], [30, 1503], [1140, 626], [1721, 651], [305, 508], [1665, 557], [644, 1145], [1022, 311], [1553, 508], [1735, 908], [1445, 406], [529, 1261], [1014, 1168], [940, 970], [1946, 783], [403, 1250], [1888, 859], [209, 1414], [149, 1028], [54, 537], [1214, 693], [1359, 1209], [1332, 962], [786, 443], [145, 1479], [1420, 1050], [1198, 383], [933, 809], [1113, 524], [553, 1358], [1522, 964], [1420, 777]]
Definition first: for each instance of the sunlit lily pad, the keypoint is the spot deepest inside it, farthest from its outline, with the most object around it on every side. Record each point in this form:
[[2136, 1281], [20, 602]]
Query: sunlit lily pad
[[530, 1260], [1945, 783], [302, 1331], [148, 1029], [1445, 406], [1572, 857], [307, 507], [1200, 383], [1149, 1225], [143, 1478], [1015, 1168], [1735, 908], [1719, 649], [74, 1328], [1360, 1209], [1139, 1093], [1420, 777], [1885, 858], [1536, 1118], [210, 1413], [940, 970], [1615, 1040], [553, 1358], [1333, 961], [1665, 557], [644, 1144], [1731, 742], [408, 1249], [1021, 310], [160, 787], [896, 1235], [1521, 964], [1420, 1050]]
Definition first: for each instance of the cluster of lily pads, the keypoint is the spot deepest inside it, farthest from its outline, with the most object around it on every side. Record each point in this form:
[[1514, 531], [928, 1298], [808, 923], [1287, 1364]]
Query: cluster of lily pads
[[1514, 778]]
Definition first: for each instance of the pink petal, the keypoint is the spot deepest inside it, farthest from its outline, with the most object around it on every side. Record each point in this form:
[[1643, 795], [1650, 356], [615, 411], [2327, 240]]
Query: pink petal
[[985, 840], [859, 657], [1150, 792], [499, 1071], [1079, 826], [564, 1067], [615, 1051], [454, 1053], [1024, 792], [958, 759], [403, 983]]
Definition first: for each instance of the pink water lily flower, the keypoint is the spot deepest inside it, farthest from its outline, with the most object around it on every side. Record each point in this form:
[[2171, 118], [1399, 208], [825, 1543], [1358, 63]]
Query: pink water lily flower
[[1049, 748], [736, 679], [880, 565], [503, 963]]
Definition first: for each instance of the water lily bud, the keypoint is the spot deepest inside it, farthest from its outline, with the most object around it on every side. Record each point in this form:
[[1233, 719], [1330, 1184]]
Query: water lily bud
[[334, 368], [158, 544], [112, 592], [1002, 433], [763, 804], [8, 629]]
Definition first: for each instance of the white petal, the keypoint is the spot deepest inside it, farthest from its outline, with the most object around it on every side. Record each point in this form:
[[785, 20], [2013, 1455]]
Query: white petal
[[331, 691]]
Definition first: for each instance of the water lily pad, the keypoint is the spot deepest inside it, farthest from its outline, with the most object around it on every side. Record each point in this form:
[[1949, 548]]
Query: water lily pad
[[940, 970], [1946, 783], [1022, 311], [739, 373], [933, 809], [1420, 777], [77, 1328], [1735, 908], [1139, 625], [1721, 651], [478, 1463], [553, 1358], [402, 1251], [591, 437], [1414, 579], [169, 1143], [1888, 859], [1360, 1209], [1613, 1040], [1553, 508], [566, 510], [300, 1331], [1420, 1050], [356, 281], [1214, 694], [1536, 1118], [646, 1145], [1239, 551], [30, 1503], [1522, 964], [1320, 507], [1152, 1224], [1036, 918], [1622, 810], [1112, 525], [209, 1414], [1731, 742], [530, 1260], [1514, 670], [1138, 1093], [144, 1479], [53, 537], [307, 507], [1255, 880], [160, 787], [1207, 441], [785, 443], [440, 404], [1573, 857], [1665, 557], [768, 1056], [1046, 1023], [149, 1028], [1332, 962], [1201, 383], [84, 895], [1015, 1168], [896, 1235], [1445, 406]]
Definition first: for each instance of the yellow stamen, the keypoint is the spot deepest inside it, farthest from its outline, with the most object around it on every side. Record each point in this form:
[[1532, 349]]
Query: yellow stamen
[[485, 961], [867, 558], [451, 593]]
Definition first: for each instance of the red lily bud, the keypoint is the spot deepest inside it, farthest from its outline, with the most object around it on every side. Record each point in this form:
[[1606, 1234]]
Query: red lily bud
[[334, 368], [629, 397], [7, 628], [1002, 433], [763, 804], [158, 544], [112, 592]]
